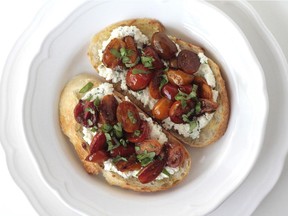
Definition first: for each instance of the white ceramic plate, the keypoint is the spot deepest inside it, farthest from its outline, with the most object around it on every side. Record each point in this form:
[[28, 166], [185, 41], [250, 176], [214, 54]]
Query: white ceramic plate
[[217, 170]]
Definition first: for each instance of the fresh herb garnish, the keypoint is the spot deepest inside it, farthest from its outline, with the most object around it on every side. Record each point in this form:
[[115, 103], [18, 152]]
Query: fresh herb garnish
[[86, 88], [90, 110], [106, 128], [139, 71], [118, 158], [146, 157], [97, 102], [109, 141], [183, 97], [166, 172], [118, 130], [147, 61], [131, 117], [115, 52], [136, 133], [164, 81]]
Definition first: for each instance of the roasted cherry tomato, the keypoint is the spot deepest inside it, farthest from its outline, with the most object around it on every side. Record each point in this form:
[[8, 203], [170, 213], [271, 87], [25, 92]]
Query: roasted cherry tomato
[[98, 143], [98, 157], [149, 145], [169, 91], [151, 59], [111, 54], [163, 45], [128, 116], [173, 63], [151, 171], [107, 108], [86, 114], [161, 109], [131, 57], [175, 155], [130, 165], [188, 61], [177, 110], [123, 151], [179, 78], [186, 89], [154, 85], [141, 134], [204, 91], [208, 106], [138, 77]]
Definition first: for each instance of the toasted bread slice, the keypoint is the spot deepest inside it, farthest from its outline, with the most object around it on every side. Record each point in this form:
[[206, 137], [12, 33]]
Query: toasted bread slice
[[217, 126], [73, 130]]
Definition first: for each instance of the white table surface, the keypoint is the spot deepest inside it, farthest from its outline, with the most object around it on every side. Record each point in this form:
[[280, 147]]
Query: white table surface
[[16, 15]]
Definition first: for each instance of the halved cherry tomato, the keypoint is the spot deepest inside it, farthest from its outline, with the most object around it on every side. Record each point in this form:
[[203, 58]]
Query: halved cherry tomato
[[208, 106], [128, 116], [111, 58], [132, 52], [98, 143], [186, 89], [98, 157], [156, 61], [188, 61], [177, 110], [149, 145], [86, 114], [205, 91], [154, 85], [138, 77], [179, 78], [175, 155], [198, 80], [107, 108], [163, 45], [161, 109], [123, 151], [151, 171], [144, 132], [130, 165], [169, 91]]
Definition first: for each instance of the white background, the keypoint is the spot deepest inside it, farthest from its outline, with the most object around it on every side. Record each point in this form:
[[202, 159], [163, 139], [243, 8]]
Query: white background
[[16, 15]]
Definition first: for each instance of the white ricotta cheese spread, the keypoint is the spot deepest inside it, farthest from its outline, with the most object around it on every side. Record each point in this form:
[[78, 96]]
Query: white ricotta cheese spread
[[109, 166]]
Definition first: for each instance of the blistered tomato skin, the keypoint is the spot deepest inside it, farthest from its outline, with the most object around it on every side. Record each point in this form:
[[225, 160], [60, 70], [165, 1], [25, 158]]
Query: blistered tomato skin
[[161, 109], [176, 111], [179, 78], [154, 85], [98, 157], [110, 60], [86, 114], [128, 116], [144, 133], [175, 155], [188, 61], [138, 77], [107, 108], [157, 64], [169, 91], [163, 45], [132, 49], [149, 145], [151, 171], [98, 143]]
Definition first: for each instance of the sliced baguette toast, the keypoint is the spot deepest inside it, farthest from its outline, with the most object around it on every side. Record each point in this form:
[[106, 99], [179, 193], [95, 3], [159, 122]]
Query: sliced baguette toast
[[217, 126], [68, 100]]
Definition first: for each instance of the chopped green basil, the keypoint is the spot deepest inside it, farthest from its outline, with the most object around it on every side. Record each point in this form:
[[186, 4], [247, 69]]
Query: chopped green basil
[[106, 128], [136, 133], [166, 172], [192, 125], [118, 158], [139, 71], [116, 53], [198, 107], [118, 130], [147, 61], [97, 102], [123, 142], [90, 110], [146, 157], [164, 81], [86, 88], [131, 117]]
